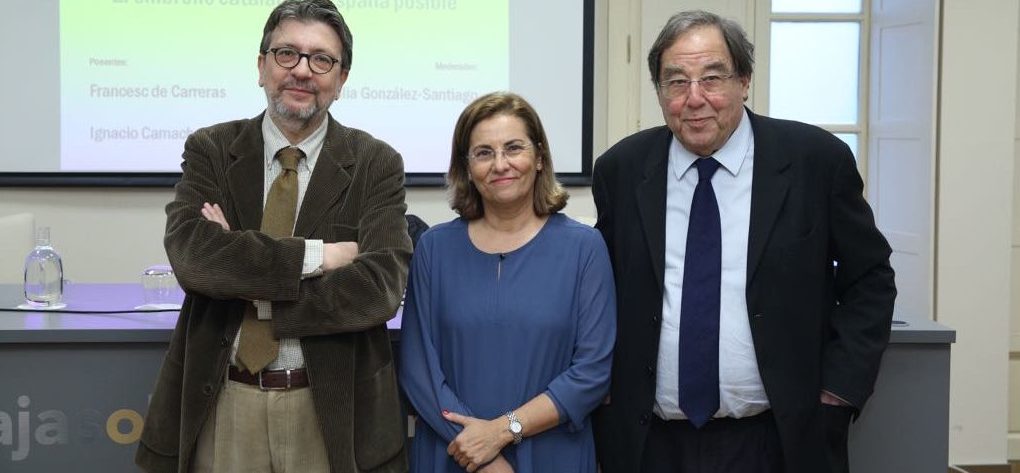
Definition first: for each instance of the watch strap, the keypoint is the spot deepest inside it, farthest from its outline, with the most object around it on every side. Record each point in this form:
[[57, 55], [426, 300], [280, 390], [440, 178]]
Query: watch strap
[[518, 434]]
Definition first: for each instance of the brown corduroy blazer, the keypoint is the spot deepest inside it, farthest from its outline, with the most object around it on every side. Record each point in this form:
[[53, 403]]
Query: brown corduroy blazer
[[356, 193]]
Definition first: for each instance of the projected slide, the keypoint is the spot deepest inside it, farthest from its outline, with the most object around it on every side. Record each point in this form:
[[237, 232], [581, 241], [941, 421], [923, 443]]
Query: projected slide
[[138, 76]]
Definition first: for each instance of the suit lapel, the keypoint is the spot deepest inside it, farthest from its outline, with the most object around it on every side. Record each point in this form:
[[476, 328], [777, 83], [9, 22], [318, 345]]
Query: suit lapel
[[245, 174], [330, 179], [651, 202], [769, 186]]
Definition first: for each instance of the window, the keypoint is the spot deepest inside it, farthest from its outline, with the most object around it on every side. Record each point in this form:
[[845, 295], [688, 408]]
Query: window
[[817, 57]]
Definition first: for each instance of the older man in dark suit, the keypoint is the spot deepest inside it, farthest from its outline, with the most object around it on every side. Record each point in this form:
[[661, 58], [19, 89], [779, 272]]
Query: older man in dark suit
[[755, 293], [288, 233]]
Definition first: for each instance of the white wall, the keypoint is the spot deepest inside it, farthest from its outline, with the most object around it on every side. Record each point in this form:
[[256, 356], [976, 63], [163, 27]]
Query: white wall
[[103, 235], [974, 218], [1013, 445]]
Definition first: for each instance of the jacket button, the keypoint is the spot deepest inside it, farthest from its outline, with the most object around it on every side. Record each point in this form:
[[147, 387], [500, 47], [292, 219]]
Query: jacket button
[[224, 342], [655, 319], [207, 389], [651, 370], [644, 419]]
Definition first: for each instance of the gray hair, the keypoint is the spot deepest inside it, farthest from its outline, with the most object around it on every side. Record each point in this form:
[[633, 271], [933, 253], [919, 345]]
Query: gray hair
[[741, 49], [312, 10]]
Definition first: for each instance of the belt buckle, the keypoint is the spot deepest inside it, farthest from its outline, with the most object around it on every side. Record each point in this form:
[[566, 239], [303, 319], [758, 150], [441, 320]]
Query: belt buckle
[[283, 388]]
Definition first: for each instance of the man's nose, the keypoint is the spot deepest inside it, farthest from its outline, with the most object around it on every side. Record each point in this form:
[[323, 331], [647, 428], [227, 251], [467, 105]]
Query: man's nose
[[303, 67], [695, 95]]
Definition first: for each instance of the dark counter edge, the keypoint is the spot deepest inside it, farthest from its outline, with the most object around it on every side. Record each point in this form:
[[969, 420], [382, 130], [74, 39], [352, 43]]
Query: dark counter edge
[[98, 336], [920, 331], [915, 332]]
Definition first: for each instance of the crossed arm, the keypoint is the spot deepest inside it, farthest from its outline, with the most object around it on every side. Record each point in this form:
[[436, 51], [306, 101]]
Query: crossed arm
[[334, 255], [361, 283]]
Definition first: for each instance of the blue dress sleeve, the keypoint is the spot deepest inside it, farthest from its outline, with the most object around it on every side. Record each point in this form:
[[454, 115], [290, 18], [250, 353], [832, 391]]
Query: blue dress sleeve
[[581, 388], [421, 374]]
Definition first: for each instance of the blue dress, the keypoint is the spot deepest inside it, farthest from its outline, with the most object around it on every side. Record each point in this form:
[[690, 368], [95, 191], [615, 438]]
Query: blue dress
[[482, 334]]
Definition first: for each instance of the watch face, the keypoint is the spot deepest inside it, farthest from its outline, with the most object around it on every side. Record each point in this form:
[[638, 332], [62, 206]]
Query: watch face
[[515, 427]]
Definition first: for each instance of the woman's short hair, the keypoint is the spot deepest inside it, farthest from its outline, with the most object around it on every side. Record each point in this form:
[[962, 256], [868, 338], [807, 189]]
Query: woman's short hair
[[548, 195]]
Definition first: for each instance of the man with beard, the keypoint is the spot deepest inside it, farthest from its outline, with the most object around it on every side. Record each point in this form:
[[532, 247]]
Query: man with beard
[[288, 233]]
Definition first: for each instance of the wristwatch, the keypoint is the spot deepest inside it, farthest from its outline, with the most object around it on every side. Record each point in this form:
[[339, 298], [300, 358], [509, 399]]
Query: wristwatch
[[514, 427]]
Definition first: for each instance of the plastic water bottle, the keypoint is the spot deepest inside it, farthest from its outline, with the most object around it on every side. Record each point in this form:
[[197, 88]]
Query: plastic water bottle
[[44, 272]]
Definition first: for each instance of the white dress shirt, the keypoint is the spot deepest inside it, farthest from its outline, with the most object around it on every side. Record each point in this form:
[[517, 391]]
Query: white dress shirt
[[741, 392]]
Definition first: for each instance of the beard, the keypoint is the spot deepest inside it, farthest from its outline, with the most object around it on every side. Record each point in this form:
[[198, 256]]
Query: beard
[[300, 114]]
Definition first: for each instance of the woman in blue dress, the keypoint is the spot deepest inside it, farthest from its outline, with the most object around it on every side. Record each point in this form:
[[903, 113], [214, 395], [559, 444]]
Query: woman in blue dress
[[510, 317]]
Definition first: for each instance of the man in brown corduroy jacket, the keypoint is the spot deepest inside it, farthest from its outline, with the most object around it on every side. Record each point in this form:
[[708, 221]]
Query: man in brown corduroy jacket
[[325, 397]]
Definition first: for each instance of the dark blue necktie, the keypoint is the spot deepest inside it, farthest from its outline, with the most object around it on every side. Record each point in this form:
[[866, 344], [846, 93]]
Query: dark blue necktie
[[699, 306]]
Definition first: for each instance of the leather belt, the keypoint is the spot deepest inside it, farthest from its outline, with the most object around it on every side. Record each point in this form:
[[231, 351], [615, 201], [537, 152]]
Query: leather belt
[[268, 380]]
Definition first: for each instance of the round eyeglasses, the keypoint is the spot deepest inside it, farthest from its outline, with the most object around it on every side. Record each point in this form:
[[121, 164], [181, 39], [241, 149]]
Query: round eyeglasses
[[288, 58]]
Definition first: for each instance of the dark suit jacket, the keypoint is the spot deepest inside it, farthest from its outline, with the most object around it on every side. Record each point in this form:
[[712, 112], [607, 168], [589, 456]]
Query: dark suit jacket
[[356, 193], [813, 327]]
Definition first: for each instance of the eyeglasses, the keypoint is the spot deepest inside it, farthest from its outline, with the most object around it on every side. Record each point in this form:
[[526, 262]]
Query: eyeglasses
[[712, 84], [486, 155], [288, 58]]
